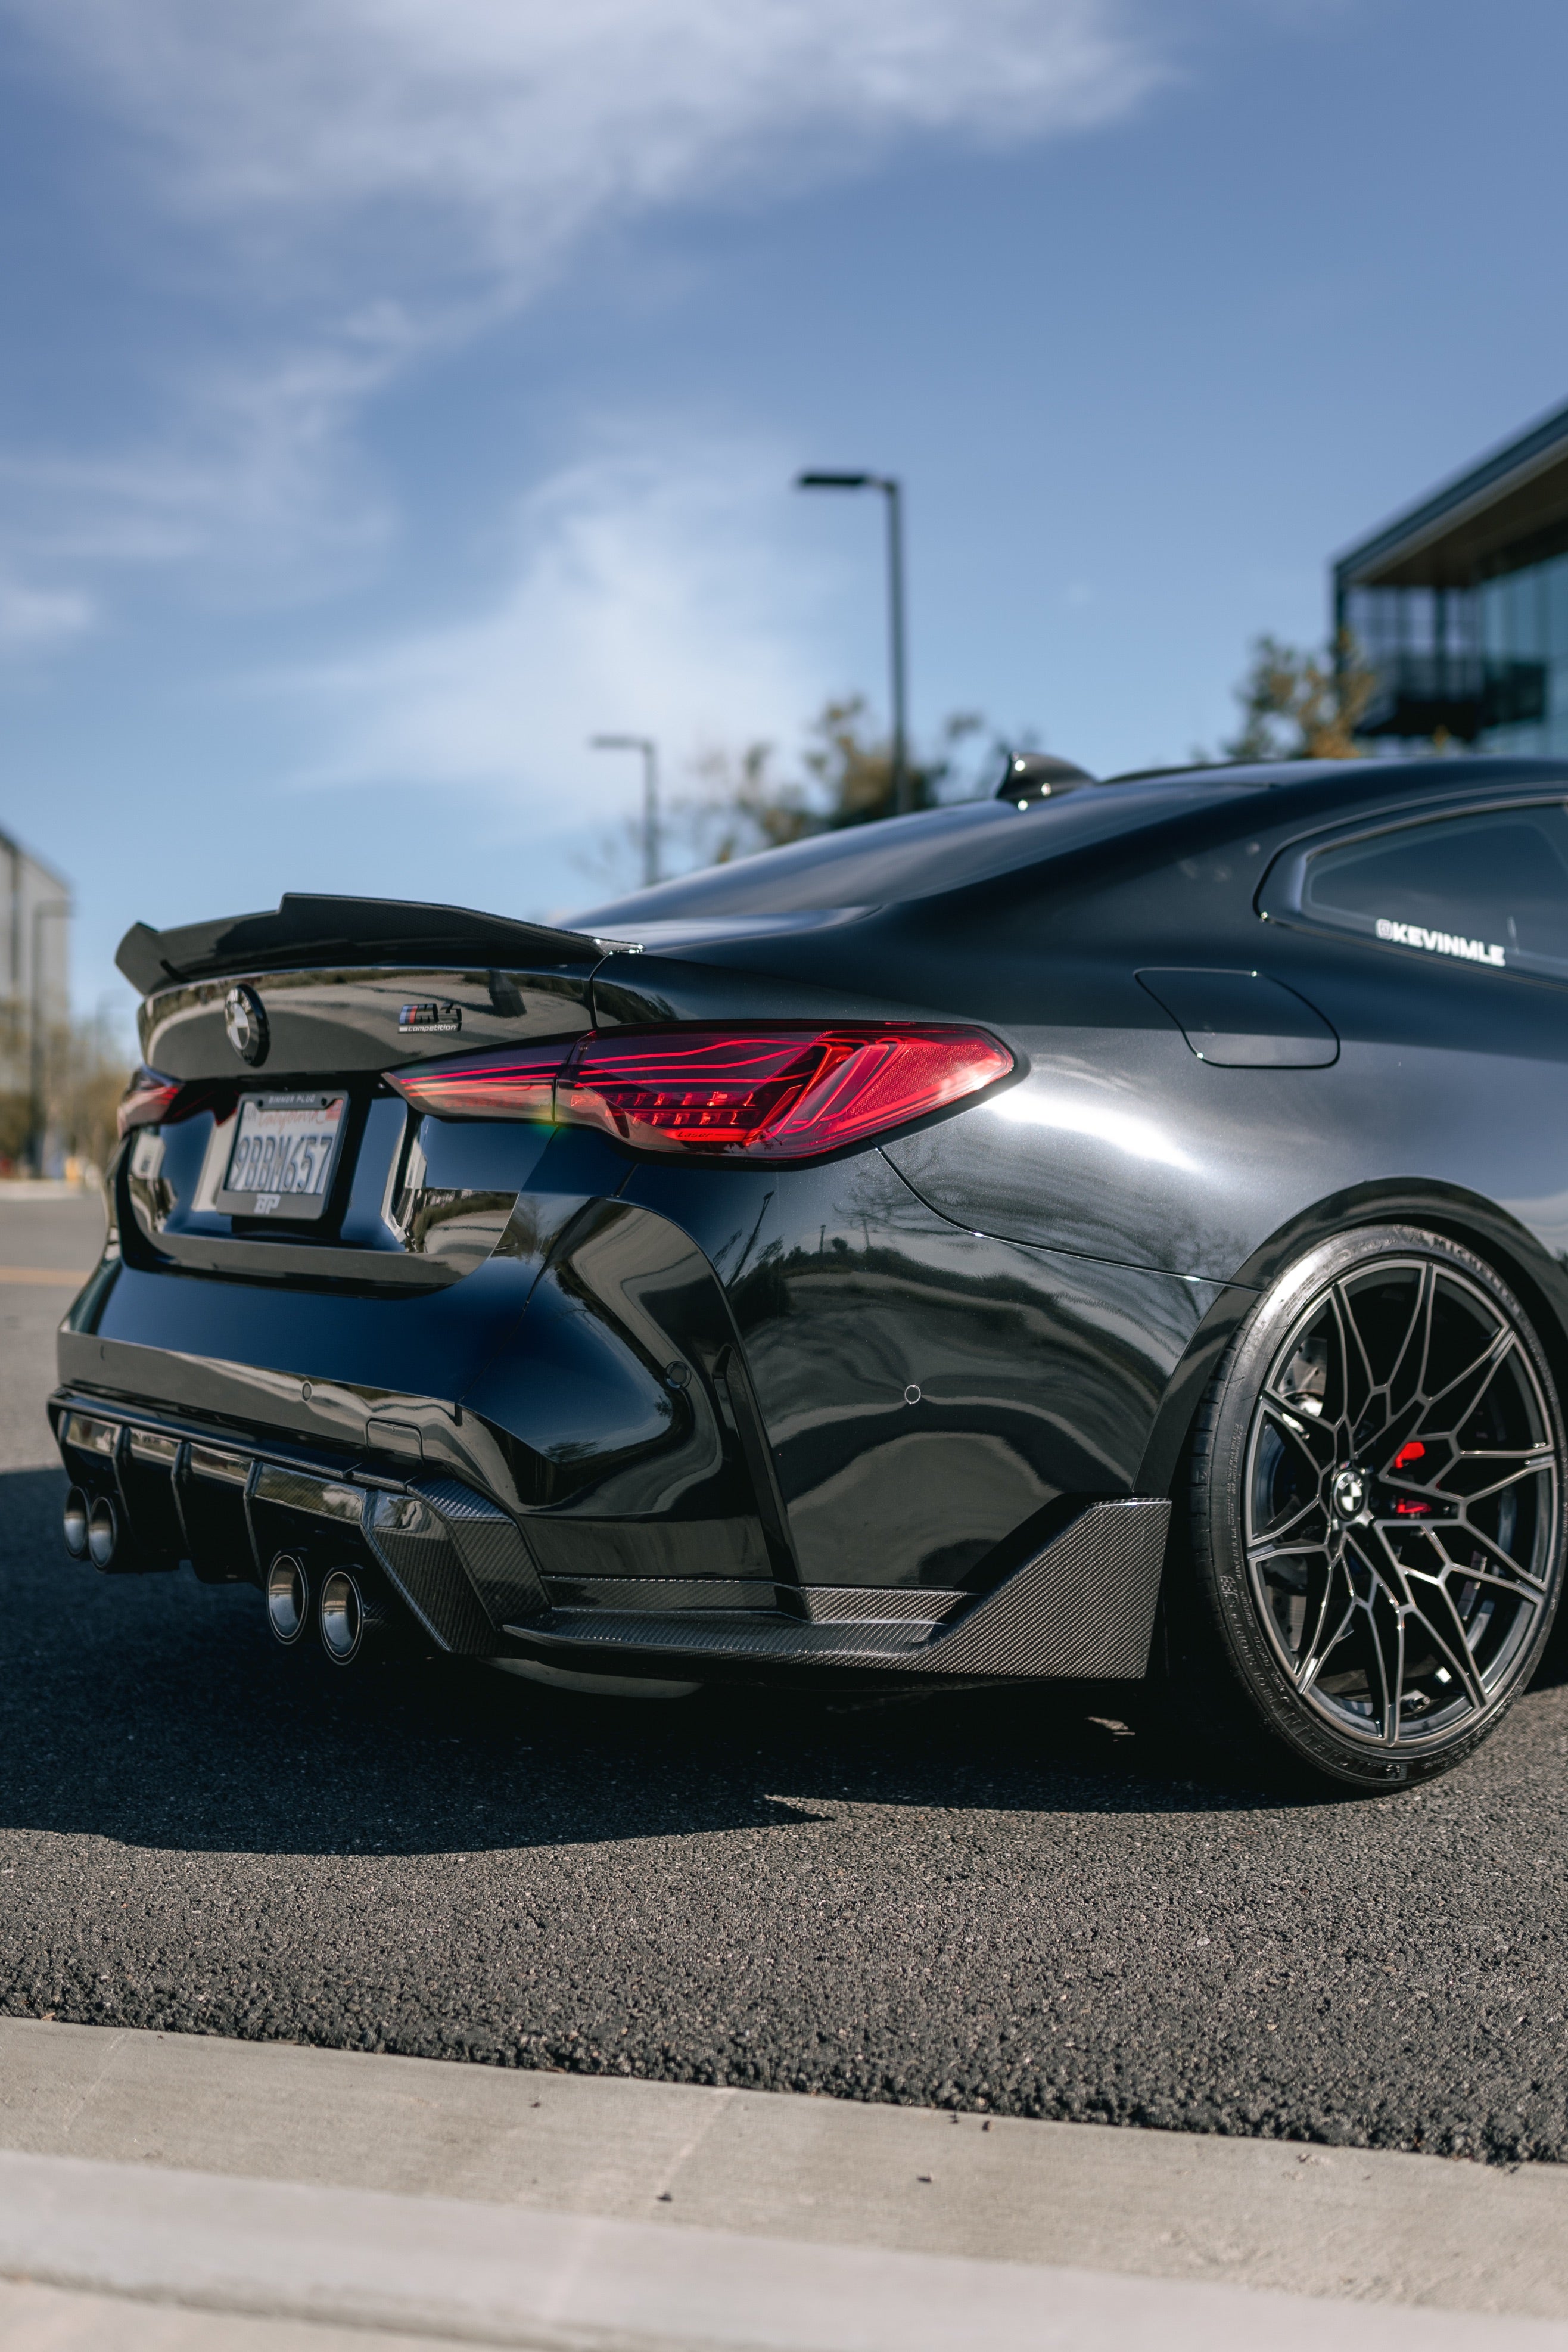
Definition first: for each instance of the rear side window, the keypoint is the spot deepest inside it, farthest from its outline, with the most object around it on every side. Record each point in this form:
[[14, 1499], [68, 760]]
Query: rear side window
[[1489, 889]]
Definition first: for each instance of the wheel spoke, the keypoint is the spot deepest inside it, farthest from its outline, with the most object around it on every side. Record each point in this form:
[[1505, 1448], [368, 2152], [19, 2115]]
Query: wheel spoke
[[1276, 1528], [1418, 1335], [1527, 1589], [1332, 1623], [1481, 1373], [1382, 1560], [1396, 1681], [1384, 1693], [1265, 1549], [1349, 1332], [1429, 1306], [1498, 1485], [1506, 1571], [1301, 1430], [1433, 1604]]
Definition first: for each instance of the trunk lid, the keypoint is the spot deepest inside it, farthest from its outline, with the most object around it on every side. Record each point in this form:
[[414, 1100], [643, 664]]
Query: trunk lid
[[287, 1156], [335, 979]]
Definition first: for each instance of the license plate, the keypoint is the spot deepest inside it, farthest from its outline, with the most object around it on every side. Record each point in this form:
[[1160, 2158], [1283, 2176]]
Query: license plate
[[283, 1156]]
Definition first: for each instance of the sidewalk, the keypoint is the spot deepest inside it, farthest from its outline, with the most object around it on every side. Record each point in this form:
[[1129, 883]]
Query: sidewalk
[[150, 2183]]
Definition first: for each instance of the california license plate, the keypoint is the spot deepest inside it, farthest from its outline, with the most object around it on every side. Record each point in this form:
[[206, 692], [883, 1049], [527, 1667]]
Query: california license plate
[[284, 1153]]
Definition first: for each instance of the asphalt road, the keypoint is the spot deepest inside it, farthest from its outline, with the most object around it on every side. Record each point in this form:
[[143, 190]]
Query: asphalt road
[[973, 1901]]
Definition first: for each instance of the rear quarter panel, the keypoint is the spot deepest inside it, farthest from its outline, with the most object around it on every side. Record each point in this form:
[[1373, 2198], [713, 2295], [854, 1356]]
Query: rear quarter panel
[[1120, 1142]]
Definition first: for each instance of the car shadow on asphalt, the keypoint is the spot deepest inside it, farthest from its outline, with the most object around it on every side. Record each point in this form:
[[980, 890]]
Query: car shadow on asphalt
[[159, 1713]]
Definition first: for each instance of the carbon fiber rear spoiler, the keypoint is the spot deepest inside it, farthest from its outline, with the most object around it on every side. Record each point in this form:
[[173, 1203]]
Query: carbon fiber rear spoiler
[[345, 932]]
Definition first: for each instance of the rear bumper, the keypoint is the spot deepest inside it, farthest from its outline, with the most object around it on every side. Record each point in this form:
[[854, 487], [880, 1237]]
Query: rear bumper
[[226, 1498]]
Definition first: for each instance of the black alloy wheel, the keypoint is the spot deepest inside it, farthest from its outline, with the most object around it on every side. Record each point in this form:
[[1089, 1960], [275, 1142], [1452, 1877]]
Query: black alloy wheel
[[1377, 1526]]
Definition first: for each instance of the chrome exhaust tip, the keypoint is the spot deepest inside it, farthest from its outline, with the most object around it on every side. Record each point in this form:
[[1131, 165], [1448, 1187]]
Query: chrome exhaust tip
[[346, 1617], [102, 1533], [288, 1599], [73, 1523]]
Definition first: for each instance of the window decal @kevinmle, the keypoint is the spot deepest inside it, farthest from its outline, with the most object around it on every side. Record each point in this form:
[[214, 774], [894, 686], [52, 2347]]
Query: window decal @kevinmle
[[1484, 886], [1413, 935]]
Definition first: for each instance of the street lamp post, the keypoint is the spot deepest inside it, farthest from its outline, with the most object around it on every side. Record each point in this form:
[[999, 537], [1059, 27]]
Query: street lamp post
[[889, 486], [650, 826], [38, 1110]]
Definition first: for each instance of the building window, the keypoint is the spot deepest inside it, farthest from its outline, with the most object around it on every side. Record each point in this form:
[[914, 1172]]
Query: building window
[[1460, 606]]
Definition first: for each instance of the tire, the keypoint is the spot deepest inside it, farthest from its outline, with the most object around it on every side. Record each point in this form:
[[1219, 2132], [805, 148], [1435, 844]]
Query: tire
[[1376, 1515]]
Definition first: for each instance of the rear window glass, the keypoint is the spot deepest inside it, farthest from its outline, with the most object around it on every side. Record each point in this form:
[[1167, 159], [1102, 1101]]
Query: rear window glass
[[909, 857], [1490, 890]]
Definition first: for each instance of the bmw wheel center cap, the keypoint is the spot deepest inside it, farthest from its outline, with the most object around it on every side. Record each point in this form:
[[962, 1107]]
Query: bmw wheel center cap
[[244, 1019], [1349, 1494]]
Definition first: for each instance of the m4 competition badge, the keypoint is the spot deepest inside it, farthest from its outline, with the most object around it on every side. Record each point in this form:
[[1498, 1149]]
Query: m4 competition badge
[[244, 1019], [431, 1015]]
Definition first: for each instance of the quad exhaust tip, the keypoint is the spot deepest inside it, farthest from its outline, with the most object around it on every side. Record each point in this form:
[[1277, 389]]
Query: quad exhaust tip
[[73, 1523], [288, 1599], [90, 1528], [346, 1617], [102, 1533]]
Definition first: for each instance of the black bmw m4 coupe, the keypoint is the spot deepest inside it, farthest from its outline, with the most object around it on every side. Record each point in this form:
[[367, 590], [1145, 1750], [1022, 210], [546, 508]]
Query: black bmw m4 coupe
[[1115, 1232]]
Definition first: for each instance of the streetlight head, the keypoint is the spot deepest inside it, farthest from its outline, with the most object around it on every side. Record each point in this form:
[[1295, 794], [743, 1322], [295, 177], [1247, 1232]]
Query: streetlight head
[[620, 744], [834, 481]]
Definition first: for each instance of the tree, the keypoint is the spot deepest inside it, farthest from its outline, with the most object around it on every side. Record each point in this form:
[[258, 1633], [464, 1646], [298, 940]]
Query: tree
[[848, 779], [90, 1072], [744, 806], [85, 1070], [746, 801], [855, 774], [1301, 706]]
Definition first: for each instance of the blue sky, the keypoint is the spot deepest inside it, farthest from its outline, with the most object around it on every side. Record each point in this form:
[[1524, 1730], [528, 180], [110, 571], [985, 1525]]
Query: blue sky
[[395, 392]]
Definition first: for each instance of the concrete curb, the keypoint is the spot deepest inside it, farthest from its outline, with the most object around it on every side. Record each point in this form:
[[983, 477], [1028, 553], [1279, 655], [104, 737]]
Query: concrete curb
[[55, 2319], [562, 2283], [1382, 2229]]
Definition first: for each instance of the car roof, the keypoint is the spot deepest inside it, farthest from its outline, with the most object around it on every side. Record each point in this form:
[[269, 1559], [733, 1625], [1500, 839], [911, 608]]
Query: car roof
[[944, 849]]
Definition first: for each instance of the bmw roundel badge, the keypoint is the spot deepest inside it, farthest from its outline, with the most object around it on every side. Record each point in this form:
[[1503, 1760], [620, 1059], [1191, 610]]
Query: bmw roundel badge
[[244, 1019]]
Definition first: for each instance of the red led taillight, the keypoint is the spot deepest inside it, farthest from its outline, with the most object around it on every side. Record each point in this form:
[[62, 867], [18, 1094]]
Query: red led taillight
[[515, 1082], [772, 1093], [758, 1093], [146, 1102]]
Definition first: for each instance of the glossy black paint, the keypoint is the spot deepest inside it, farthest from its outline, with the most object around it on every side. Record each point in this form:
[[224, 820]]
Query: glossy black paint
[[341, 1021], [732, 1388], [1036, 1377]]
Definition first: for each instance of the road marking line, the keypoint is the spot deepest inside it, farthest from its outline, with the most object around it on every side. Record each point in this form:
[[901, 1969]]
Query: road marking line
[[42, 1273]]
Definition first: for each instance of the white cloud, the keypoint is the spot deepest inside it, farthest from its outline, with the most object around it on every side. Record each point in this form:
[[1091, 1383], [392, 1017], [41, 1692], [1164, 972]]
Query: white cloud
[[521, 122], [373, 178], [36, 620], [642, 599], [253, 472]]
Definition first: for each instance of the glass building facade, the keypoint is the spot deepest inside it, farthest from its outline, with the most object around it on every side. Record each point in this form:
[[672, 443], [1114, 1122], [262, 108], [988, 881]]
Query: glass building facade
[[1522, 621], [1461, 607]]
